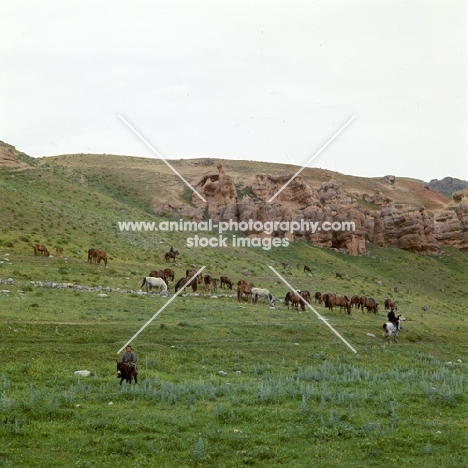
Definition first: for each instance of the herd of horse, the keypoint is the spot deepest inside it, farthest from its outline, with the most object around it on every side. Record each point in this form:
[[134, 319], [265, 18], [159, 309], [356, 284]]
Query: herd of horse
[[330, 300], [296, 299], [94, 255]]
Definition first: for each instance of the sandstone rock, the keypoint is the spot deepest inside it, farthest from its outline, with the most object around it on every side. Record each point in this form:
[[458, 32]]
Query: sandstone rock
[[297, 191], [219, 191], [461, 196], [405, 227], [451, 227]]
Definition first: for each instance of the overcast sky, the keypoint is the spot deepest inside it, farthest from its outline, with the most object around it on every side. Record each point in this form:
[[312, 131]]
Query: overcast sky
[[253, 80]]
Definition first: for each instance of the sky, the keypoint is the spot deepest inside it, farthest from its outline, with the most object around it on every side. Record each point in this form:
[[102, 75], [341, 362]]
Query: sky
[[249, 80]]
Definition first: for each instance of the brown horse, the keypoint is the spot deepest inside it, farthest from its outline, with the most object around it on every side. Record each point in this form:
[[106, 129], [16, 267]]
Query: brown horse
[[59, 251], [168, 273], [100, 255], [295, 299], [225, 282], [91, 256], [42, 249], [127, 372], [171, 254], [189, 281], [307, 269], [244, 288], [158, 274]]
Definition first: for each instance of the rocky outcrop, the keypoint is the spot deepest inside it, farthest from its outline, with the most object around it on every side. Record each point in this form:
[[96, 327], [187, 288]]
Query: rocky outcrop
[[220, 194], [405, 227], [451, 226], [8, 159], [328, 217], [379, 198], [12, 158], [297, 192], [461, 196], [389, 179]]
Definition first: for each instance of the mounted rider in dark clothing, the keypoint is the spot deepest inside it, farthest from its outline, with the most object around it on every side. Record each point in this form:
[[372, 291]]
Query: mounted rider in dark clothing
[[129, 357], [393, 318]]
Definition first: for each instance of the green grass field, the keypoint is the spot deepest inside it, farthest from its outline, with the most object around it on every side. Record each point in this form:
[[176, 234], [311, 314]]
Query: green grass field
[[293, 394]]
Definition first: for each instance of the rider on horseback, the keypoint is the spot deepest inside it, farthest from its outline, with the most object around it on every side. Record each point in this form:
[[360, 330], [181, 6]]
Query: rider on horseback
[[129, 357], [392, 317]]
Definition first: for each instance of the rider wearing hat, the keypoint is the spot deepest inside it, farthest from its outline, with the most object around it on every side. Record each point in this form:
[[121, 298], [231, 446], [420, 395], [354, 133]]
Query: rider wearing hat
[[392, 317]]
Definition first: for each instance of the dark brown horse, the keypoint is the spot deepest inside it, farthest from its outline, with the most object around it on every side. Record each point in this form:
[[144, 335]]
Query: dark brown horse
[[171, 254], [127, 372], [225, 282], [187, 281], [169, 274], [295, 299]]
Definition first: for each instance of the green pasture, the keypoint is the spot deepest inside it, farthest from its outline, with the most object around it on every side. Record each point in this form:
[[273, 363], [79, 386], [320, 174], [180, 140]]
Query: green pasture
[[293, 395]]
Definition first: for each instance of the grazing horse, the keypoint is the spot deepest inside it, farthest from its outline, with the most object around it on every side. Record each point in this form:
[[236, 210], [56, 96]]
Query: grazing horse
[[344, 303], [185, 281], [307, 269], [390, 328], [158, 274], [42, 249], [59, 251], [171, 254], [168, 273], [100, 255], [244, 288], [225, 282], [371, 305], [258, 292], [306, 296], [389, 304], [318, 297], [152, 282], [329, 300], [295, 299], [286, 265], [127, 372], [190, 272], [355, 301]]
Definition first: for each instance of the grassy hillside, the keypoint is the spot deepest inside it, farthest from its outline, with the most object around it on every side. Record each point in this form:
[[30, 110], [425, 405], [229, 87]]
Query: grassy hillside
[[294, 394]]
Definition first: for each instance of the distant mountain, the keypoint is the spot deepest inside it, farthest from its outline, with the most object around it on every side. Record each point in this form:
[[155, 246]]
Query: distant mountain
[[447, 185]]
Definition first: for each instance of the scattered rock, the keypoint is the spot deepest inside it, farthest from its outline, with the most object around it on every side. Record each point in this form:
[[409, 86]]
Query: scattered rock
[[222, 373], [83, 373]]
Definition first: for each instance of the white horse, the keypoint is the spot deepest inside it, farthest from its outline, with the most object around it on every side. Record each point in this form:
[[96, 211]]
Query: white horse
[[389, 328], [153, 283], [258, 292]]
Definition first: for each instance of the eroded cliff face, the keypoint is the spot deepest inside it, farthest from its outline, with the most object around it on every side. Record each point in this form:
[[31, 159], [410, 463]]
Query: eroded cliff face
[[386, 224], [405, 227]]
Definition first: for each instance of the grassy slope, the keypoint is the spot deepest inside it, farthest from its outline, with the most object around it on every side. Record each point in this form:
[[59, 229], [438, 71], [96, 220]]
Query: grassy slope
[[300, 394]]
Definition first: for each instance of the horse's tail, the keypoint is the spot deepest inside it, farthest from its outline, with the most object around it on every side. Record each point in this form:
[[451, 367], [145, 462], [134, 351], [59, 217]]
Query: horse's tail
[[384, 329], [144, 282]]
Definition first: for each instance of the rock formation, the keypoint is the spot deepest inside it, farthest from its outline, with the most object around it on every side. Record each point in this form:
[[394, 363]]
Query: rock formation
[[349, 224], [405, 227]]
